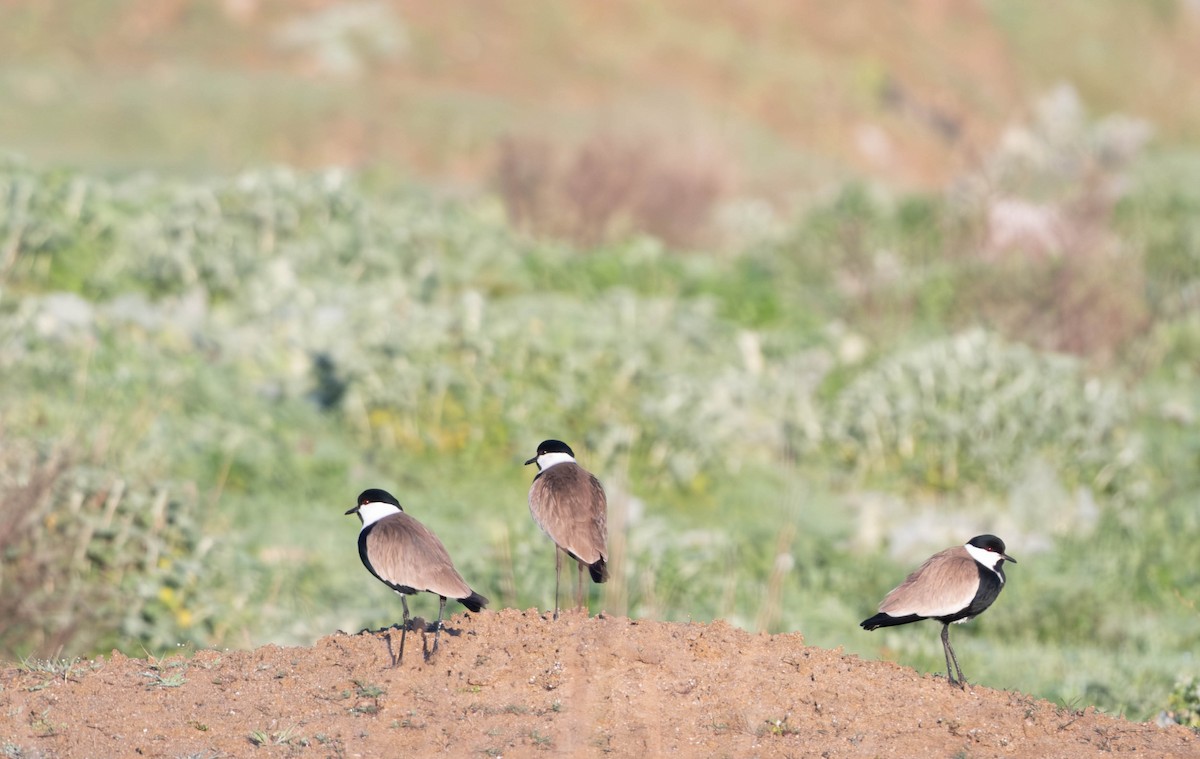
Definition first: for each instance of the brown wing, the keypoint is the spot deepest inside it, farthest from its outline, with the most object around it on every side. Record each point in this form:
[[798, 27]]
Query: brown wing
[[569, 504], [944, 584], [405, 552]]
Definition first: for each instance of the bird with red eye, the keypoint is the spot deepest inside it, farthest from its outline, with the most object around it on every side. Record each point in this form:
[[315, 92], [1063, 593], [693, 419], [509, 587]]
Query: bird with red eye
[[952, 586]]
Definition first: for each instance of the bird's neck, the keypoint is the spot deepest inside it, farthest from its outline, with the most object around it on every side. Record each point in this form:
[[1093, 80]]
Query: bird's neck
[[373, 512], [547, 460]]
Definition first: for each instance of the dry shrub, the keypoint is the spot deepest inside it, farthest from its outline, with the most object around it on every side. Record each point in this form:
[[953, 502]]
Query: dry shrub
[[1055, 275], [1088, 308], [1051, 271], [523, 175], [611, 186], [25, 489], [89, 559]]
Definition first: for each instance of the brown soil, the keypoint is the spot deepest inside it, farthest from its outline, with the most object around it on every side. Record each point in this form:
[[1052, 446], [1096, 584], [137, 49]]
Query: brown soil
[[516, 683]]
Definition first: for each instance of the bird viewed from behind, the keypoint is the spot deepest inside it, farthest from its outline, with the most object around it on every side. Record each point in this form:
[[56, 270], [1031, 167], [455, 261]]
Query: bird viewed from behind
[[953, 585], [569, 504], [407, 557]]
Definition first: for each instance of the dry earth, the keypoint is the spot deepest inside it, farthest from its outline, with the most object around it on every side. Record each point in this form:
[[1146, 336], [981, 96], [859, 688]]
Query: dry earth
[[515, 683]]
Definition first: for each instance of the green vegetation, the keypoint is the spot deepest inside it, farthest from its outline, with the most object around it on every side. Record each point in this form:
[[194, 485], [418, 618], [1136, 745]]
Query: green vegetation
[[186, 420], [284, 737], [201, 373], [367, 696], [1183, 705]]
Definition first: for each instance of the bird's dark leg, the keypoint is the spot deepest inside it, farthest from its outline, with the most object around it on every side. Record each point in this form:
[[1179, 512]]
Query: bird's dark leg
[[557, 572], [403, 630], [949, 650], [438, 632], [387, 638], [580, 602]]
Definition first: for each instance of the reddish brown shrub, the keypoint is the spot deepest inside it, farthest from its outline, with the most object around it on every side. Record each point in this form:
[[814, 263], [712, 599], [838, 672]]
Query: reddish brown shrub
[[609, 186], [1056, 276]]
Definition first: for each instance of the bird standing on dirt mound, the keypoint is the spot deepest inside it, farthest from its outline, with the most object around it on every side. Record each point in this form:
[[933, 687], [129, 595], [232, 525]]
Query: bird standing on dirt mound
[[951, 586], [568, 503], [407, 557]]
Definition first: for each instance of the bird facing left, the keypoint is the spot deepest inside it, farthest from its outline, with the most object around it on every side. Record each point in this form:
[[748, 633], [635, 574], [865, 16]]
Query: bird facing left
[[406, 556]]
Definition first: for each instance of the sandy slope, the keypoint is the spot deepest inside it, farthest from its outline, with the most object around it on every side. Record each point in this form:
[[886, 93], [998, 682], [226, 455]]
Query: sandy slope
[[514, 683]]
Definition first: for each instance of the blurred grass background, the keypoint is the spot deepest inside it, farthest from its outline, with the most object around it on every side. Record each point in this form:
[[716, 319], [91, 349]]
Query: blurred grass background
[[815, 291]]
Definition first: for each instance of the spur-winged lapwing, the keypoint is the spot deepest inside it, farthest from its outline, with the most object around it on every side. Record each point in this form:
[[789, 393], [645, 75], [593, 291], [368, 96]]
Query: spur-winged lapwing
[[407, 557], [951, 586], [568, 503]]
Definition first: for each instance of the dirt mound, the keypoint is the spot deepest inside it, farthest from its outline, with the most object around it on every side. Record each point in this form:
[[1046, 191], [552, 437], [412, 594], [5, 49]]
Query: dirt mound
[[515, 683]]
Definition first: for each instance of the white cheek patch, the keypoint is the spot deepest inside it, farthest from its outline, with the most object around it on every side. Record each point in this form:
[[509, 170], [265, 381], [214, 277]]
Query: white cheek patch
[[987, 558], [547, 460], [373, 512]]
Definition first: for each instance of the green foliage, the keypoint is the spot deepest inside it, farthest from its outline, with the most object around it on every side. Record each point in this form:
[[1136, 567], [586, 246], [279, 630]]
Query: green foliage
[[285, 737], [1164, 214], [972, 410], [50, 219], [58, 668], [259, 349], [1183, 705], [269, 228]]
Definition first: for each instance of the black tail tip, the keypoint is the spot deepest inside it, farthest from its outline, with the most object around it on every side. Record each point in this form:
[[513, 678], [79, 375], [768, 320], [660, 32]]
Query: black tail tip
[[599, 571], [887, 620], [474, 602]]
